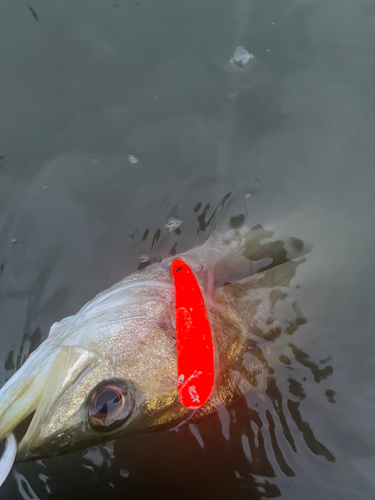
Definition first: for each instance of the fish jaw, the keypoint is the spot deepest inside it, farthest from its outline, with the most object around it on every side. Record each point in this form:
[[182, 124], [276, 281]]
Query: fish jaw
[[51, 431], [60, 423]]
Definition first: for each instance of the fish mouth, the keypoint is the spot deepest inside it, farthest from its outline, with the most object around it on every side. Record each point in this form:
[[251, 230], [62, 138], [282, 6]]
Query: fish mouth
[[32, 393], [41, 445]]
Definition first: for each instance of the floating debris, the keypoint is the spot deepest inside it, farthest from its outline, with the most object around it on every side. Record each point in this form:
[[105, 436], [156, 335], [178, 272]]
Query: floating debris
[[173, 223], [241, 57], [45, 187], [247, 195], [14, 240], [32, 10], [133, 159]]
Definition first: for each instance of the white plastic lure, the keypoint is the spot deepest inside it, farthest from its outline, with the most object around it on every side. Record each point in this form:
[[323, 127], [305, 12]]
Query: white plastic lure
[[8, 457]]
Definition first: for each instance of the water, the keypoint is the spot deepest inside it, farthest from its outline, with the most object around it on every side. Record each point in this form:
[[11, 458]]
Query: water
[[172, 224], [289, 136]]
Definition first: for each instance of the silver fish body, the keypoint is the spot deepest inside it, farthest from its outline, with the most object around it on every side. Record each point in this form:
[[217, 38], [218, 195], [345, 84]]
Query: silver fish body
[[110, 369]]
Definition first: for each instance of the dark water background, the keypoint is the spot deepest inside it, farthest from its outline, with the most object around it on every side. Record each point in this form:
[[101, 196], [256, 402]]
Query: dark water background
[[290, 135]]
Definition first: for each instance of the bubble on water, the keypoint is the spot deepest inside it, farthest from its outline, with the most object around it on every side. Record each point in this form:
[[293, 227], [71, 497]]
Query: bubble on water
[[14, 240], [95, 457], [241, 56], [44, 479], [144, 258], [24, 488], [172, 224], [247, 195], [133, 159], [45, 187]]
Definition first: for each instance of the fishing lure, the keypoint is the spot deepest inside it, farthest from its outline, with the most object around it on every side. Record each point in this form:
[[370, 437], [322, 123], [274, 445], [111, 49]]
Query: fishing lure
[[195, 355], [8, 457]]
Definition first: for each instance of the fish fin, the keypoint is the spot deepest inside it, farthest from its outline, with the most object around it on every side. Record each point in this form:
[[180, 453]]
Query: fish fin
[[246, 252], [266, 304]]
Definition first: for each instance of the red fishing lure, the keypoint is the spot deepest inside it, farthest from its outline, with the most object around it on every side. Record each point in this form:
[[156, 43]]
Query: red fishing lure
[[195, 354]]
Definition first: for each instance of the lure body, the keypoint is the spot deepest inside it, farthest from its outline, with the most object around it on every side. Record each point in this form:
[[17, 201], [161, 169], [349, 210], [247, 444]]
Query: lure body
[[195, 355]]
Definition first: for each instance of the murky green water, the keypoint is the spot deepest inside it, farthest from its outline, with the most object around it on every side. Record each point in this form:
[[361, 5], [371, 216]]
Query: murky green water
[[117, 116]]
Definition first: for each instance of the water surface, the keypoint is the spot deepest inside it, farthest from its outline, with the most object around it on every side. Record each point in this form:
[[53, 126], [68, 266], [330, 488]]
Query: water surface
[[118, 115]]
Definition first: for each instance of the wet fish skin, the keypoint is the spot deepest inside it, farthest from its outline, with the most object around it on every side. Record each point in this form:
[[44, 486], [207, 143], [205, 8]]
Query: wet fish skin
[[127, 334]]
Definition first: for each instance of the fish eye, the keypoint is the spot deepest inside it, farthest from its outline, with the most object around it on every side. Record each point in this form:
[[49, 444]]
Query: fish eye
[[109, 406]]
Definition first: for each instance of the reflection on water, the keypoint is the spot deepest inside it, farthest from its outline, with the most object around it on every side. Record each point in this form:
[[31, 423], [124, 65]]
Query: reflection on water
[[24, 487], [242, 450], [29, 343]]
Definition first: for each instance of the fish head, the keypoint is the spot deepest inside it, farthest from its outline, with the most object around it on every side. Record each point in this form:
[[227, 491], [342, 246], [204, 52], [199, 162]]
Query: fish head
[[105, 372]]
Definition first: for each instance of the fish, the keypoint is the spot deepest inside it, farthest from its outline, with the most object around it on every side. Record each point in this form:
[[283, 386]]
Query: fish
[[110, 370]]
